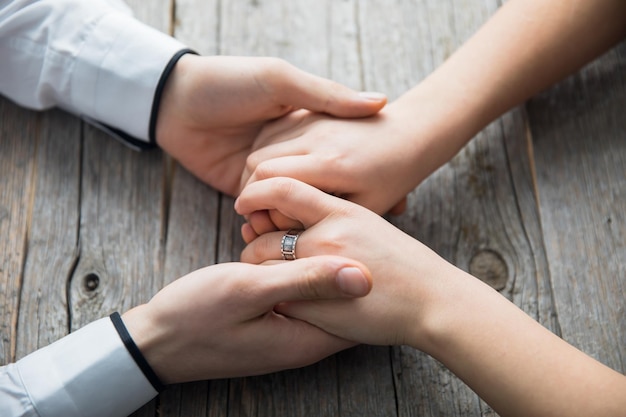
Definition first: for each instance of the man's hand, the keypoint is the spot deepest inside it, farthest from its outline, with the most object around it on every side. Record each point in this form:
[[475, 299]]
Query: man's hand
[[219, 321], [212, 109]]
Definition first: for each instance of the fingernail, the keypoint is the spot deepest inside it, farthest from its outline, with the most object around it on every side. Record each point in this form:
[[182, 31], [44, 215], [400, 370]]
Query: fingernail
[[372, 95], [352, 281]]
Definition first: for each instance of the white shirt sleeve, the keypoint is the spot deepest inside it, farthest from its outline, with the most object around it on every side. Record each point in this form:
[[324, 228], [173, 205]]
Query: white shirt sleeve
[[90, 57], [88, 373], [93, 59]]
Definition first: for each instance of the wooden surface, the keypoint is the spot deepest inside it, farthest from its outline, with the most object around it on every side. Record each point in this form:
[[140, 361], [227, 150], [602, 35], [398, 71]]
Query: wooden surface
[[535, 205]]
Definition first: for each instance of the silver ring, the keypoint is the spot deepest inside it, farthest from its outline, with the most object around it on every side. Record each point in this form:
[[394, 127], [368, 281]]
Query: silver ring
[[288, 244]]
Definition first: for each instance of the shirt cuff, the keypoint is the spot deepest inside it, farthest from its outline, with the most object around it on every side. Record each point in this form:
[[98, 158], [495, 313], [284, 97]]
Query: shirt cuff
[[87, 373], [117, 71], [134, 351]]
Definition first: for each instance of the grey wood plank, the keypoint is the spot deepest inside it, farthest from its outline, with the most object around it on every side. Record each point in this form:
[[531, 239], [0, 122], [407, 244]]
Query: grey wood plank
[[344, 58], [19, 134], [488, 225], [289, 30], [197, 23], [202, 398], [322, 38], [365, 374], [395, 61], [365, 382], [53, 234], [121, 231], [230, 243], [479, 210], [123, 218], [192, 244], [191, 241], [579, 138], [193, 220], [293, 30], [121, 227], [310, 391], [536, 296], [155, 13]]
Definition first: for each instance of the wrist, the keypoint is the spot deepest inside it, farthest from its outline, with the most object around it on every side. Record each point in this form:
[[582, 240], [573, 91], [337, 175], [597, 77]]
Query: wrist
[[430, 292], [441, 292], [437, 126], [462, 313], [164, 96], [149, 338]]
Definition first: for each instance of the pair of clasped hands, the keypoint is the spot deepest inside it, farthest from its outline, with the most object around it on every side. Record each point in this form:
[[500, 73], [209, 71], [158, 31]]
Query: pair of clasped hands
[[234, 123], [307, 153], [302, 152]]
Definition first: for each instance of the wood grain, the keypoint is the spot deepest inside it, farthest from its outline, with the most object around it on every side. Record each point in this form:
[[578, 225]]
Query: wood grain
[[534, 205], [120, 261], [19, 133], [192, 221], [579, 137], [415, 42], [478, 211], [53, 235], [323, 39], [191, 244]]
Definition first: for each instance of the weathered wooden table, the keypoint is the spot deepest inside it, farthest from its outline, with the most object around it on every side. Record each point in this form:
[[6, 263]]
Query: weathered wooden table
[[535, 205]]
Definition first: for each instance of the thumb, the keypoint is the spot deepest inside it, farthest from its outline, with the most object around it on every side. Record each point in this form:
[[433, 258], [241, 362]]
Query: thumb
[[319, 278], [304, 90]]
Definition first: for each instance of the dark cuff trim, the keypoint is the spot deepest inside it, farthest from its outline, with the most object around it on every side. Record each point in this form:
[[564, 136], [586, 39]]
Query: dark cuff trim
[[134, 351], [120, 135], [156, 102]]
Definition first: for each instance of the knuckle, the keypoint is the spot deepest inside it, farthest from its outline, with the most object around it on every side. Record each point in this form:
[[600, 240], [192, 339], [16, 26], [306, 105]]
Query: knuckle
[[270, 75], [276, 65], [252, 161], [265, 170], [333, 93], [264, 250], [260, 250], [334, 241], [283, 188], [340, 162], [309, 286], [276, 69], [334, 161]]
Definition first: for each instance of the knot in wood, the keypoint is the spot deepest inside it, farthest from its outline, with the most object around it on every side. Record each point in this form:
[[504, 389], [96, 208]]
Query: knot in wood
[[489, 267], [91, 282]]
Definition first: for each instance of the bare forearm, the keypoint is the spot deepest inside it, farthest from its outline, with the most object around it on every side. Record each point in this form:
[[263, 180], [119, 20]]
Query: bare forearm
[[524, 48], [515, 364], [511, 361]]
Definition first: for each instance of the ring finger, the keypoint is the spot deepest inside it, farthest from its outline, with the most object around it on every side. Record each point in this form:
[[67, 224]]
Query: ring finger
[[267, 247]]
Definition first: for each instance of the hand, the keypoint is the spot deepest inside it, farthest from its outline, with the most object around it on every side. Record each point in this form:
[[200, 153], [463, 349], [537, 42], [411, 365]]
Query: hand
[[219, 322], [371, 162], [418, 299], [374, 162], [212, 109], [404, 271]]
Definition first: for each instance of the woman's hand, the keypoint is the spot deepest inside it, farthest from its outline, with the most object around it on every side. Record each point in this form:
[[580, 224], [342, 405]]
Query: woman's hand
[[371, 161], [219, 321], [418, 299], [405, 272]]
